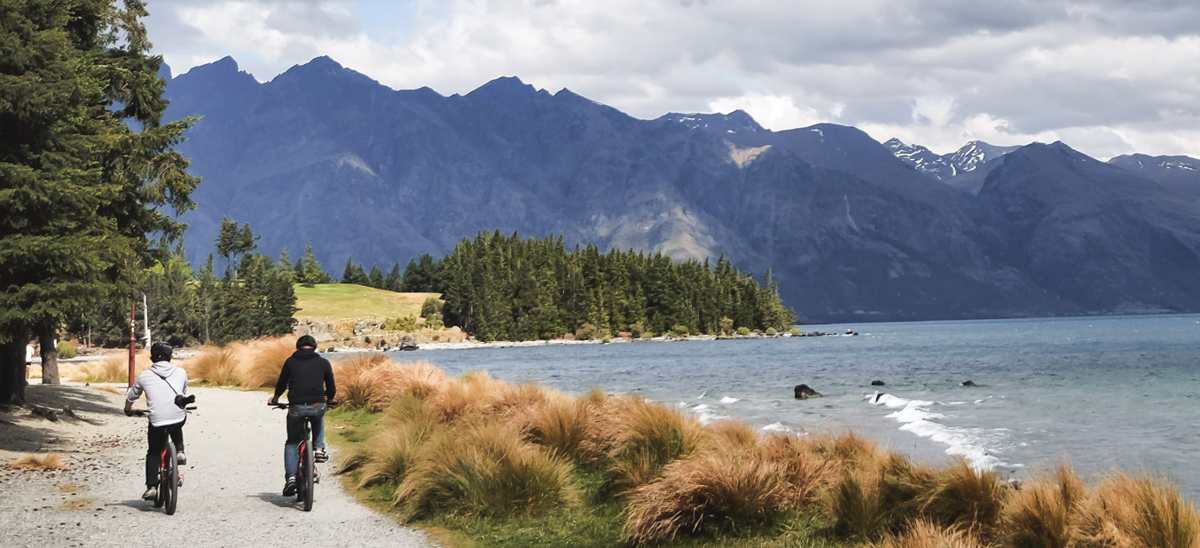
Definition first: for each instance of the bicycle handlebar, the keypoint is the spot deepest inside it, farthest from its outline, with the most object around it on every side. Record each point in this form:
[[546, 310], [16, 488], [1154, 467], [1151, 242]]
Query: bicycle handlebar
[[285, 405], [144, 412]]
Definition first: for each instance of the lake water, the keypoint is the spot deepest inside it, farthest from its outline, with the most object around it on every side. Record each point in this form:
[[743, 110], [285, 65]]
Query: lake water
[[1097, 392]]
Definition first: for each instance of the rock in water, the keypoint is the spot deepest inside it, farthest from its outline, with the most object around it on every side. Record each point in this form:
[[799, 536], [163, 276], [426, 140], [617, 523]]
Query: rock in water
[[876, 383], [968, 383], [803, 392], [409, 342]]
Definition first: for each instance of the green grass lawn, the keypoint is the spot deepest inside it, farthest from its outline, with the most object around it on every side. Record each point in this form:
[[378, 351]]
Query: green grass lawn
[[331, 302]]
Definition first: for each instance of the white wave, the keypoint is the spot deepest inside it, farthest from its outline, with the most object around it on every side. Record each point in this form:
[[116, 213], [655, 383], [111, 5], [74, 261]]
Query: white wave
[[728, 400], [776, 427], [702, 394], [702, 408], [917, 417], [709, 418]]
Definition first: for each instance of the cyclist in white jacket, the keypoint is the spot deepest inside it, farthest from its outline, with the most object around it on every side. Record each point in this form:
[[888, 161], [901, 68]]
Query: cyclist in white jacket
[[162, 383]]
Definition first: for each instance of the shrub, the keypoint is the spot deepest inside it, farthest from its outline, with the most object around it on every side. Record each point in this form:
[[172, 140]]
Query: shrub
[[647, 335], [431, 308], [680, 331], [743, 331], [406, 324], [726, 326], [66, 350], [771, 332], [487, 470], [636, 330], [796, 332], [586, 332], [214, 365], [1039, 515], [1137, 512], [703, 492]]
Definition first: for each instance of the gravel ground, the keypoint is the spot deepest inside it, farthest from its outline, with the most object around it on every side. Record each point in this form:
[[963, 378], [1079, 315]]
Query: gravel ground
[[230, 495]]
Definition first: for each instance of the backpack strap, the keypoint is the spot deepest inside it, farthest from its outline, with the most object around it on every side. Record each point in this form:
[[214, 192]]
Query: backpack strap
[[164, 379]]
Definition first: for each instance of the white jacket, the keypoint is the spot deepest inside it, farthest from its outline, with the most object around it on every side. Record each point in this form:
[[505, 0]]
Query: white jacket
[[160, 397]]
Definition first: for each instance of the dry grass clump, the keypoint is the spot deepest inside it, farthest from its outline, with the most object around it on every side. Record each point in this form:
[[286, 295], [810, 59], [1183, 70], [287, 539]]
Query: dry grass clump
[[111, 369], [705, 492], [559, 426], [1039, 515], [922, 534], [965, 499], [263, 361], [215, 365], [48, 461], [1137, 512], [651, 437], [485, 469]]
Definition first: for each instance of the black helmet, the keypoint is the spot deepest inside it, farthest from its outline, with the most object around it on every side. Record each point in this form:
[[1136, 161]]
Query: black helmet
[[306, 341], [161, 352]]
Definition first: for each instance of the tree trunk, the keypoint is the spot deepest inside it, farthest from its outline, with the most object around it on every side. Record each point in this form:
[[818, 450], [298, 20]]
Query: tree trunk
[[46, 337], [12, 369]]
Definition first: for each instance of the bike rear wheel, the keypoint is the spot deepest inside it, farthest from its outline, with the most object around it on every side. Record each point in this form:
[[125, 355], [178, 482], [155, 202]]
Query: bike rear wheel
[[306, 464], [168, 482]]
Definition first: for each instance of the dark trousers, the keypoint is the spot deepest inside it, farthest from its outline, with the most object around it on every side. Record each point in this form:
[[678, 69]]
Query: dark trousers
[[157, 436]]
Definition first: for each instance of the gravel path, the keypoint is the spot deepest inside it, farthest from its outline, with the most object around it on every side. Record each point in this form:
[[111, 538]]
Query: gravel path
[[230, 496]]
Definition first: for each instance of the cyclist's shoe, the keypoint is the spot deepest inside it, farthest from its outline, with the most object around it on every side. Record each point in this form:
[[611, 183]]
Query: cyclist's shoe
[[320, 455], [181, 458], [150, 494], [289, 488]]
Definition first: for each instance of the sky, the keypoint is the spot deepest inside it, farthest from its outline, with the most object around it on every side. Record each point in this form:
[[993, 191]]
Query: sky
[[1107, 77]]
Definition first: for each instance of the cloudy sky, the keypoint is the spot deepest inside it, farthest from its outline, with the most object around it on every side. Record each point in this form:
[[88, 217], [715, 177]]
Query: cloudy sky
[[1106, 76]]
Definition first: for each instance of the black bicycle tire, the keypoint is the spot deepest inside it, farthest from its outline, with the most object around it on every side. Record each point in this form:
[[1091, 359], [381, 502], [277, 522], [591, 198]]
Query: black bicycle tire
[[309, 472], [159, 496], [170, 479]]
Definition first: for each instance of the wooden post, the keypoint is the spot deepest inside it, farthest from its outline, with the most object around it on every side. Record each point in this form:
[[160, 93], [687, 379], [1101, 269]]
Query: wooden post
[[132, 338]]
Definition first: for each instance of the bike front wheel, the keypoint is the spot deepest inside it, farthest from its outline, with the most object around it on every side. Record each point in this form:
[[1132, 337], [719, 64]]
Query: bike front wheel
[[168, 483], [306, 461]]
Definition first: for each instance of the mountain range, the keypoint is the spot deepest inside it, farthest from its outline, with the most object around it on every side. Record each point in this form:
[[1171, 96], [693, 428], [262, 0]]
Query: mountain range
[[853, 229]]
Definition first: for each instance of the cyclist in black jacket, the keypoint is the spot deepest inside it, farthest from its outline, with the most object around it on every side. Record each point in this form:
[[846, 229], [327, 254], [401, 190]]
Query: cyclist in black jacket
[[308, 380]]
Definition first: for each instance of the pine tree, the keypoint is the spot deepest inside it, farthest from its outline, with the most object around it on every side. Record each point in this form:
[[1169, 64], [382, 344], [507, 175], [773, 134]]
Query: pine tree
[[87, 168], [375, 278], [392, 282]]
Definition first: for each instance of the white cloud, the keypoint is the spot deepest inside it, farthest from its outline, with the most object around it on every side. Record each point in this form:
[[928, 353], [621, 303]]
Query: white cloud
[[1106, 76]]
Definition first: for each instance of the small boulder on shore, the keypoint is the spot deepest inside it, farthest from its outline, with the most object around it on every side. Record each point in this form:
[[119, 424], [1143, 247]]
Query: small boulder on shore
[[803, 392], [877, 383]]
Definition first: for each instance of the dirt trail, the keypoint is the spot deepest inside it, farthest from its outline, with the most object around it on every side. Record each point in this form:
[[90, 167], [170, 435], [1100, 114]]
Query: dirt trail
[[230, 496]]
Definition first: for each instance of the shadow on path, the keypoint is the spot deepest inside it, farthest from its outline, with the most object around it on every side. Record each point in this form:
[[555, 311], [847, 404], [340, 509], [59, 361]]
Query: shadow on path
[[276, 499]]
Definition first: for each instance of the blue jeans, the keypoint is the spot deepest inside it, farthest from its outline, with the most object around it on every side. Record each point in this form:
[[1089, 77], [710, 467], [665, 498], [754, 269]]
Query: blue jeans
[[295, 431]]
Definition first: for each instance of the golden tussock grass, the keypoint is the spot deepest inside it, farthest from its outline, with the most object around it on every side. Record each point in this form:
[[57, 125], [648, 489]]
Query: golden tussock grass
[[216, 365], [1137, 512], [48, 461], [705, 491], [651, 437], [923, 534], [560, 426], [111, 369], [485, 469], [263, 361], [1039, 514]]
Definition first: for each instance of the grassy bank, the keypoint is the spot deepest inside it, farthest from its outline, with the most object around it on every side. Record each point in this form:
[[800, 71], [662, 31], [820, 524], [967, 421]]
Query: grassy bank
[[481, 462], [494, 464]]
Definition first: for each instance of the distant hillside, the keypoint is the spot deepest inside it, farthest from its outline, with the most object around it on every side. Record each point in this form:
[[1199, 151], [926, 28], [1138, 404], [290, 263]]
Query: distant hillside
[[853, 232]]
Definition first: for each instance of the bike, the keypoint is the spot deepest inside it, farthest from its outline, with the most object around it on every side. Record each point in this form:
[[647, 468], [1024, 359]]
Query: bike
[[169, 477], [306, 473]]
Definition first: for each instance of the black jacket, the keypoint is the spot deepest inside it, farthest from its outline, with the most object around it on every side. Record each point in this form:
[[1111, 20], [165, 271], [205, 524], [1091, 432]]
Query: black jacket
[[307, 377]]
